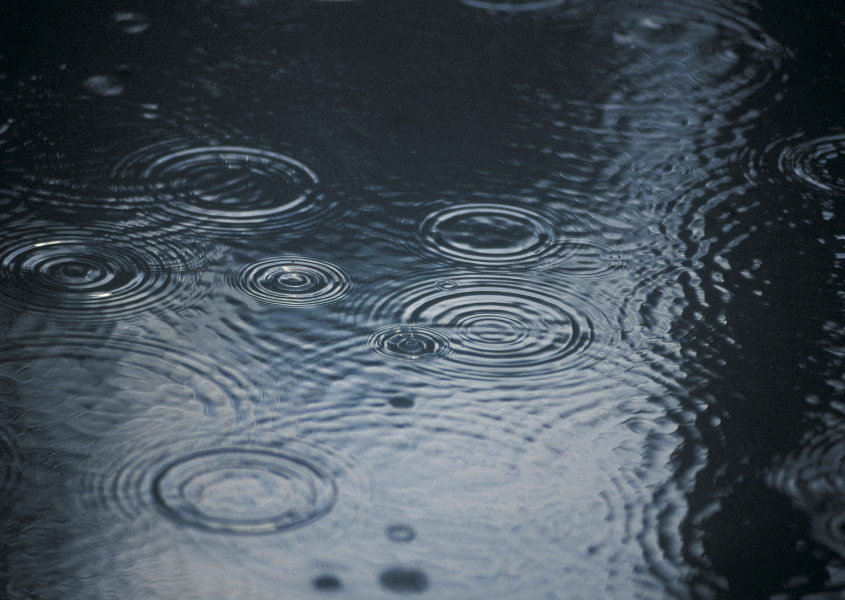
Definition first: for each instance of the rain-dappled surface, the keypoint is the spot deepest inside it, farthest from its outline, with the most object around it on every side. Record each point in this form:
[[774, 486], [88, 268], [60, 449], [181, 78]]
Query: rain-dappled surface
[[452, 299]]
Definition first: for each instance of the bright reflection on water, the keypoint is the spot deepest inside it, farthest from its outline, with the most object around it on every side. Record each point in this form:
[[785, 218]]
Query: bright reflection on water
[[456, 299]]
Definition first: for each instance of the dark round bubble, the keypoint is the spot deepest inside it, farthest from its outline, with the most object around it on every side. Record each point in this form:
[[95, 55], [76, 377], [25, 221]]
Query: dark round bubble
[[408, 343], [326, 583], [401, 579], [291, 281], [243, 490], [400, 533], [75, 273], [515, 6], [401, 402]]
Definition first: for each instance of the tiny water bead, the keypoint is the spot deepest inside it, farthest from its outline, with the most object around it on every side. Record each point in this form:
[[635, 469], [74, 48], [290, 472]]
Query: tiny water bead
[[291, 281], [409, 343], [243, 490], [403, 579], [326, 583], [400, 533]]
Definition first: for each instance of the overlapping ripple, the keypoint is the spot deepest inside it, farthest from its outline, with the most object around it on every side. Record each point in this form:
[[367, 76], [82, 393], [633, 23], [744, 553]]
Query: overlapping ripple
[[225, 485], [816, 163], [291, 281], [227, 190], [75, 273], [487, 328]]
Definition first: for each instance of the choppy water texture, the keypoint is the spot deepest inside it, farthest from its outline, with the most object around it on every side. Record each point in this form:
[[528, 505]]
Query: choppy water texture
[[454, 299]]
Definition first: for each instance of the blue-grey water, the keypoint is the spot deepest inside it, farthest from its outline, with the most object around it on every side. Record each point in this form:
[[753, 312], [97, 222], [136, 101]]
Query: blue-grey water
[[455, 299]]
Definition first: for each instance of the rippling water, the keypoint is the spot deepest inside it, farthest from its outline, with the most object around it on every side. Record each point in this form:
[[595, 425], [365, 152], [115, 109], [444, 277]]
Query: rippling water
[[469, 299]]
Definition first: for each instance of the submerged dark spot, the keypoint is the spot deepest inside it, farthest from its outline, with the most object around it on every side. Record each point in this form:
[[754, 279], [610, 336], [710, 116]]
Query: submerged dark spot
[[401, 402], [400, 579], [400, 533], [326, 583]]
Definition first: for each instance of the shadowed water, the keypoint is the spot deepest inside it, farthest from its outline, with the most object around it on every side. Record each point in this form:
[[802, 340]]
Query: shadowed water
[[460, 299]]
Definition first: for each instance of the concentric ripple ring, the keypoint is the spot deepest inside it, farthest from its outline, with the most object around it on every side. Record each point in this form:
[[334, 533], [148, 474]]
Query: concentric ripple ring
[[243, 490], [291, 281], [408, 343], [491, 234]]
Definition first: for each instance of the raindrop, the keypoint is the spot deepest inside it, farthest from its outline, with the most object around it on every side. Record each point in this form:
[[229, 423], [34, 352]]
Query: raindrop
[[400, 533], [326, 583], [243, 490], [401, 402], [401, 579], [291, 281]]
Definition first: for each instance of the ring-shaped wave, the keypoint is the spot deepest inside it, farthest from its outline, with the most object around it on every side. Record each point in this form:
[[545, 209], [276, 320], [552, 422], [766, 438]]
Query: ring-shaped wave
[[218, 485], [291, 281], [487, 327], [70, 273], [509, 231], [815, 163], [225, 190]]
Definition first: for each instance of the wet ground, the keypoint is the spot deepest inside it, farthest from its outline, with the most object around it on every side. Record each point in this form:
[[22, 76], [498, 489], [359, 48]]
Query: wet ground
[[452, 299]]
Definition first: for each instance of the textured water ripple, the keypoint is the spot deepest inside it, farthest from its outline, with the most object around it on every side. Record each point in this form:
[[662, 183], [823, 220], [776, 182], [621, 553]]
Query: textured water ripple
[[816, 163], [291, 281], [74, 273]]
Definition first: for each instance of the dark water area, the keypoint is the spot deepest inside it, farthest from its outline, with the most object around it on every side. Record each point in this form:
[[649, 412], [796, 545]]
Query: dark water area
[[451, 299]]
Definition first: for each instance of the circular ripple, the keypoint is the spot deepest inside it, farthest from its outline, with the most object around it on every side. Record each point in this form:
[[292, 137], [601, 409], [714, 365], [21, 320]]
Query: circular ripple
[[227, 189], [818, 163], [66, 270], [508, 231], [291, 281], [514, 6], [243, 490], [74, 273], [408, 343], [489, 327]]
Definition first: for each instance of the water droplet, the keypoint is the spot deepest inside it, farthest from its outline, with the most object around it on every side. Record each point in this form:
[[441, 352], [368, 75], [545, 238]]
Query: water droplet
[[291, 281], [400, 533], [326, 583], [401, 402], [401, 579]]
